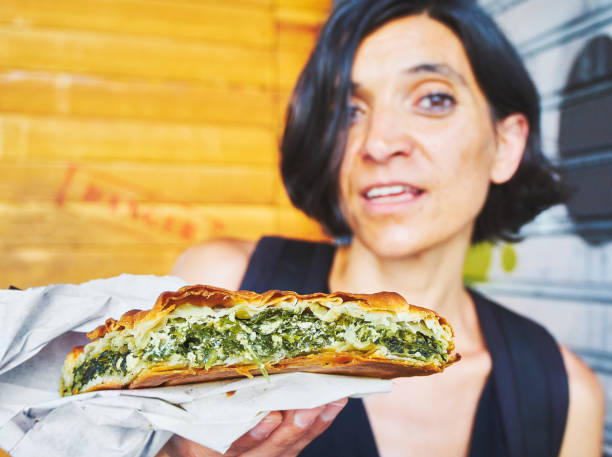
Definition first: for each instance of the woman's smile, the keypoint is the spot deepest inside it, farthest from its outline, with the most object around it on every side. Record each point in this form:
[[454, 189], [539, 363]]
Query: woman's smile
[[391, 197]]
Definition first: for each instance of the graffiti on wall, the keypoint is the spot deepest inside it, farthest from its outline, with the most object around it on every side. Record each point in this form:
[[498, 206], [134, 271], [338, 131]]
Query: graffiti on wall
[[585, 141], [124, 204]]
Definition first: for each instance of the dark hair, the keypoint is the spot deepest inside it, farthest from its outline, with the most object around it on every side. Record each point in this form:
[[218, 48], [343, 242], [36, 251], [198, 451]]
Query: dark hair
[[314, 139]]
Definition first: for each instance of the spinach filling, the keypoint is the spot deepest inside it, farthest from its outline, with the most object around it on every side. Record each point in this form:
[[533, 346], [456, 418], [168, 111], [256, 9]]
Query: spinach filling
[[278, 333], [266, 337], [108, 362]]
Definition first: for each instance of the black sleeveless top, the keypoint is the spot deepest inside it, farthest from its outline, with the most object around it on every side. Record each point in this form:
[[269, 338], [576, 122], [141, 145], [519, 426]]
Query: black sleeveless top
[[523, 406]]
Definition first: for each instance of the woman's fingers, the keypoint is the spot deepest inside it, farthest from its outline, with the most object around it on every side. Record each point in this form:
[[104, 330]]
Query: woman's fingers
[[302, 419], [181, 447], [324, 420], [332, 410], [276, 435], [266, 426], [282, 441], [299, 427], [256, 435]]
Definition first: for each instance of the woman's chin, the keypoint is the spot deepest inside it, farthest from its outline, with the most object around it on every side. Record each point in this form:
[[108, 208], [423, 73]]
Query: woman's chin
[[396, 243], [401, 241]]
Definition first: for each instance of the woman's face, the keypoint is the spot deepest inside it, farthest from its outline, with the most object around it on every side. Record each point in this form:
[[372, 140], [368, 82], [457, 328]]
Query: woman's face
[[421, 145]]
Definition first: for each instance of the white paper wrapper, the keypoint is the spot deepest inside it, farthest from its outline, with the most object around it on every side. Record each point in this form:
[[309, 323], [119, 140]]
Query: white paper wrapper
[[41, 325]]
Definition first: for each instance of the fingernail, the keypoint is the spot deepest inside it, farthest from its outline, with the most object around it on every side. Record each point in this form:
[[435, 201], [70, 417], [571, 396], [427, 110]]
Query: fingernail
[[267, 425], [304, 418], [331, 411]]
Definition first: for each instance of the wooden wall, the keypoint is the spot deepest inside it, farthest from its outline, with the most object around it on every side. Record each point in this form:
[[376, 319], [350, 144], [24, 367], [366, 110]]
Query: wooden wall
[[131, 129]]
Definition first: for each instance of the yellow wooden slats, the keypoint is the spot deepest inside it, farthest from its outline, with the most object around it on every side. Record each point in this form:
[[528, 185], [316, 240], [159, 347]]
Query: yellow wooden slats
[[125, 183], [322, 7], [79, 249], [296, 37], [232, 22], [142, 58], [165, 224], [97, 223], [52, 138], [44, 92], [132, 129], [294, 223], [145, 58], [311, 12], [29, 266], [290, 66], [282, 199]]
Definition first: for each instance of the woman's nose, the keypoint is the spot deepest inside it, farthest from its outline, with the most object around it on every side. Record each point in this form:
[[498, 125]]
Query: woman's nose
[[387, 137]]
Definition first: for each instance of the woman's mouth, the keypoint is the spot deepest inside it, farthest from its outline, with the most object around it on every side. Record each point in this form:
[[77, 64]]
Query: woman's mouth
[[391, 192], [390, 198]]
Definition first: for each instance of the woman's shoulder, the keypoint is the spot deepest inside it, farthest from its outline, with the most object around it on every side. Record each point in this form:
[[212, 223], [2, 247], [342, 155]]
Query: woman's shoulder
[[585, 418], [580, 372], [219, 262]]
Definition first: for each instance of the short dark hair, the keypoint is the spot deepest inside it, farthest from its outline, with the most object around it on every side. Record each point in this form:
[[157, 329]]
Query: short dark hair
[[314, 138]]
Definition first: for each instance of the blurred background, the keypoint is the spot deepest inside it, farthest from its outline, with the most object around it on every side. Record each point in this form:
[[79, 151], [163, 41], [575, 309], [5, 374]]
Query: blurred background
[[132, 129]]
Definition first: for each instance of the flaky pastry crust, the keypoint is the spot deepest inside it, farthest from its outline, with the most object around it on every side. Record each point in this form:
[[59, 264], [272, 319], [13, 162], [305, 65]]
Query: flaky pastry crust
[[212, 297]]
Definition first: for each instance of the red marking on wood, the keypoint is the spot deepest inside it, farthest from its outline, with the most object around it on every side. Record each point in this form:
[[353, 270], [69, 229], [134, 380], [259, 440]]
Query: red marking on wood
[[148, 219], [103, 188], [114, 201], [93, 194], [188, 231], [128, 185], [134, 208], [307, 28], [218, 224], [60, 197], [168, 223]]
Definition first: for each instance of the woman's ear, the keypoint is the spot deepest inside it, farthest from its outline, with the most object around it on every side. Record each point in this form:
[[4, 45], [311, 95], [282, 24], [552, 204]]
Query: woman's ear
[[512, 133]]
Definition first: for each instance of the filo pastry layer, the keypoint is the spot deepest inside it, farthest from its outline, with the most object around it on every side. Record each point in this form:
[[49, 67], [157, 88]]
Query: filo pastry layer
[[201, 333]]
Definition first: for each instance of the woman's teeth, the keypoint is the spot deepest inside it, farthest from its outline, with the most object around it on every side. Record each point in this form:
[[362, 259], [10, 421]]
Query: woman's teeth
[[391, 191]]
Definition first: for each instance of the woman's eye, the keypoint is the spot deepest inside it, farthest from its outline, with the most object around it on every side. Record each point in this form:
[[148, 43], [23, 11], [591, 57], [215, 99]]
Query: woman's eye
[[354, 112], [436, 103]]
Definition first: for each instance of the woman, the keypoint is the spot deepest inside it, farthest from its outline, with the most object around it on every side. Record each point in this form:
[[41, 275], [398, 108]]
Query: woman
[[413, 130]]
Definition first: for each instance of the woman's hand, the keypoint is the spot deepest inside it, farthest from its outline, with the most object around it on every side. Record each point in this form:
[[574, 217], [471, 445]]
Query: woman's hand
[[280, 433]]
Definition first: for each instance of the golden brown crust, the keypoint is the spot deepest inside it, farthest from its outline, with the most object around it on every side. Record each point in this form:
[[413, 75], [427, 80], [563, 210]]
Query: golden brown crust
[[343, 363], [212, 297]]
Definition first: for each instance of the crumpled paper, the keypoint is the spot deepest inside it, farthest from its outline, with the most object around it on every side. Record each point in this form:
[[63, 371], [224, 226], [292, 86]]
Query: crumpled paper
[[41, 325]]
